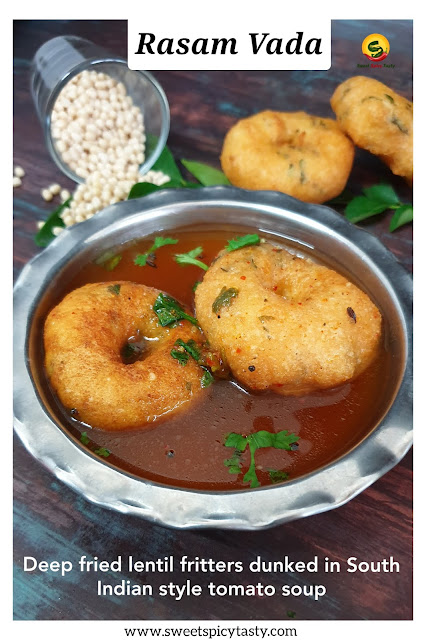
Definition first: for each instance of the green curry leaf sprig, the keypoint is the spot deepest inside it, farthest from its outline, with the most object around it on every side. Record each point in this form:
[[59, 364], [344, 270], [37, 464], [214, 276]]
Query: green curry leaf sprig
[[207, 176], [375, 200], [254, 441]]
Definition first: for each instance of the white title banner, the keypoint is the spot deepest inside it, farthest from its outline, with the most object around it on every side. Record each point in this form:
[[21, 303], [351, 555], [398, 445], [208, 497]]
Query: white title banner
[[156, 42]]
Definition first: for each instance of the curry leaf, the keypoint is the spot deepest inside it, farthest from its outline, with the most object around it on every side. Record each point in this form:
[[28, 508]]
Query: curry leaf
[[45, 235], [208, 176], [402, 215], [141, 189], [383, 193], [376, 199], [166, 163], [362, 207]]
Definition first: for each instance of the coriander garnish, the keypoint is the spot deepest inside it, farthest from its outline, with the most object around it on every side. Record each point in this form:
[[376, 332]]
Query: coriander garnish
[[234, 462], [207, 379], [169, 311], [102, 452], [191, 258], [302, 172], [190, 347], [109, 260], [115, 289], [180, 356], [258, 440], [148, 258], [242, 241], [224, 299], [277, 476], [397, 122]]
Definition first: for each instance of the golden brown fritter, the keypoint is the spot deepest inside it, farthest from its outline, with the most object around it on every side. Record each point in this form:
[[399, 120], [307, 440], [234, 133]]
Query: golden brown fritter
[[377, 119], [305, 156], [84, 337], [286, 323]]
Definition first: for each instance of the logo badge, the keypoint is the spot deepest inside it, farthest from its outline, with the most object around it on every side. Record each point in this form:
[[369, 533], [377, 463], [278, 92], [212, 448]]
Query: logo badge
[[375, 47]]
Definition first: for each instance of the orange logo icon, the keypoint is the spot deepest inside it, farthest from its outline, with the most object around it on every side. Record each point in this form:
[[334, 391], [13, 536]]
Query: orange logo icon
[[375, 47]]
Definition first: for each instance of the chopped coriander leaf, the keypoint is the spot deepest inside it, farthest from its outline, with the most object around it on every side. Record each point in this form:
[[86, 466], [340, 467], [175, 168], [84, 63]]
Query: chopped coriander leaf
[[128, 350], [102, 452], [291, 614], [111, 264], [242, 241], [207, 379], [259, 440], [190, 347], [195, 285], [108, 260], [234, 462], [132, 351], [237, 441], [224, 299], [115, 289], [169, 311], [84, 438], [180, 356], [397, 122], [142, 259], [277, 476], [191, 258]]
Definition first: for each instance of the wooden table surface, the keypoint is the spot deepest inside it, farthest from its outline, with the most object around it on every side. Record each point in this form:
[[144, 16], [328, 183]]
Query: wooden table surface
[[54, 523]]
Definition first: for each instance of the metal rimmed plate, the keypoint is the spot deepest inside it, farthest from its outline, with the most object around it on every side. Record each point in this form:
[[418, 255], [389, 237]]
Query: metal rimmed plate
[[347, 248]]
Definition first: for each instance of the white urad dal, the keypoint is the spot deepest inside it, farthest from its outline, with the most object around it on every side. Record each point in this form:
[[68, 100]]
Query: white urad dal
[[100, 135]]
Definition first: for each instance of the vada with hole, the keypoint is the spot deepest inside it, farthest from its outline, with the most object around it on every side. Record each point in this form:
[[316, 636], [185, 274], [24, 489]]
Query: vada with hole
[[305, 156], [111, 355], [285, 323], [377, 119]]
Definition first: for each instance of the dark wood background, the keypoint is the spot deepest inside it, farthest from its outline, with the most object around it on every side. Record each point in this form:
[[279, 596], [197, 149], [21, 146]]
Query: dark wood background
[[54, 523]]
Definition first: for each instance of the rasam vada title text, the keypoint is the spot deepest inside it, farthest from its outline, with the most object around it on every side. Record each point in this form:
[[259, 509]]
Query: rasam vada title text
[[295, 46]]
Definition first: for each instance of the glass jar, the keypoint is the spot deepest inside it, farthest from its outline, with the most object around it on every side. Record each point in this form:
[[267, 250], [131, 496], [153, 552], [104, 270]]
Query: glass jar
[[63, 57]]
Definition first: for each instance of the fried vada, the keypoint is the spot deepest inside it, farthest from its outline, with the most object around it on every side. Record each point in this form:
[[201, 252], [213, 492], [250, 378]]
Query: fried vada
[[307, 157], [377, 119], [285, 323], [86, 337]]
